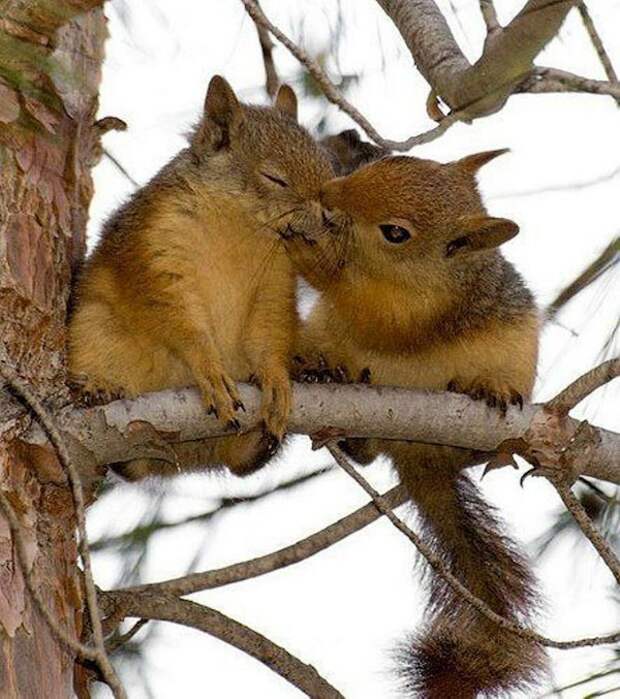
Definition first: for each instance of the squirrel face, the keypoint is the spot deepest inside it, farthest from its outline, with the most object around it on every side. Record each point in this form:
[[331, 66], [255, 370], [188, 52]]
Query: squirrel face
[[411, 220], [264, 156]]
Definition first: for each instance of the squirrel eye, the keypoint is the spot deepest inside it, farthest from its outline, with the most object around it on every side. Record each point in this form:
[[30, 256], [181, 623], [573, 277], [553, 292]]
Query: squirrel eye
[[394, 234], [274, 179]]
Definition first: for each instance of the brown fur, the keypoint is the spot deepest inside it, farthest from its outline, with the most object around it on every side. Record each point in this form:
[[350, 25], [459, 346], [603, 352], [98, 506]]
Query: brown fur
[[443, 308], [189, 283], [348, 151]]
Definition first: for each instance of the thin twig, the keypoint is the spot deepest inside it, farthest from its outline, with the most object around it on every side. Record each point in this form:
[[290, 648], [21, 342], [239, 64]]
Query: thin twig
[[333, 95], [272, 80], [120, 167], [490, 16], [442, 569], [117, 641], [286, 556], [603, 549], [47, 422], [213, 622], [597, 42], [581, 388], [605, 261], [543, 80], [326, 85]]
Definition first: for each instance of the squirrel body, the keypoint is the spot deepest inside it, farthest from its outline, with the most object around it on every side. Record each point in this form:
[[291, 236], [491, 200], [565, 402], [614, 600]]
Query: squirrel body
[[414, 293], [189, 284]]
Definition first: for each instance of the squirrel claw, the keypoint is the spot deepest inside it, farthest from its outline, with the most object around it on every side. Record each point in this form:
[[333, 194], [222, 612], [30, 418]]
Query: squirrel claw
[[496, 395]]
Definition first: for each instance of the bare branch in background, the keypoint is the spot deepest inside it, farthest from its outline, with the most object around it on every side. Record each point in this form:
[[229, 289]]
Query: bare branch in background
[[282, 558], [603, 549], [120, 167], [597, 42], [272, 81], [142, 532], [443, 570], [333, 95], [544, 80], [197, 616], [471, 91]]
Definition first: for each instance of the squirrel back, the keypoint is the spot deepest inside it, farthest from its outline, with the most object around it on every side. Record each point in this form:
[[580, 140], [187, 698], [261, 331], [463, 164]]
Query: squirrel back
[[415, 293]]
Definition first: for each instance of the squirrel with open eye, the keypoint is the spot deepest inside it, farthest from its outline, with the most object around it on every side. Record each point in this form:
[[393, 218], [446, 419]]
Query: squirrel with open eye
[[189, 283], [414, 292]]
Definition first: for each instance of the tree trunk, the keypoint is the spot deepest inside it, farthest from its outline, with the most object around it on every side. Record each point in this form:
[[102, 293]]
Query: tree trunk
[[50, 62]]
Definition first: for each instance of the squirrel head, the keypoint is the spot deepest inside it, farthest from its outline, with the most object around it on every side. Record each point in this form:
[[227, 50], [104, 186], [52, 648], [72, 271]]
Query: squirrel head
[[413, 219], [261, 153]]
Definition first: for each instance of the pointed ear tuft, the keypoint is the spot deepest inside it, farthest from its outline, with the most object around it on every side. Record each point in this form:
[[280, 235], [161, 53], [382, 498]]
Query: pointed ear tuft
[[286, 101], [481, 233], [473, 163], [221, 103]]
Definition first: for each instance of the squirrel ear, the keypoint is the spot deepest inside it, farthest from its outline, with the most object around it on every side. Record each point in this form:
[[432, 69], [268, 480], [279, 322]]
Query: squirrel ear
[[221, 111], [286, 101], [221, 103], [473, 163], [481, 233]]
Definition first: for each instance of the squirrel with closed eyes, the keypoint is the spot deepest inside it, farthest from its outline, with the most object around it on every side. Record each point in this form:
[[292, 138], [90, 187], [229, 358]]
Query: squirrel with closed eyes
[[189, 283], [414, 292]]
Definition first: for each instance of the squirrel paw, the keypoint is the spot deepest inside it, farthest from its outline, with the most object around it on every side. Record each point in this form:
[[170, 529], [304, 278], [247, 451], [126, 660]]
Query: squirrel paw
[[86, 393], [496, 394], [319, 371], [275, 407], [220, 395]]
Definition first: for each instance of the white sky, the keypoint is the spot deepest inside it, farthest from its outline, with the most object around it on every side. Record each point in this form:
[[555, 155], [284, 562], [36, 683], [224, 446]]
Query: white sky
[[343, 609]]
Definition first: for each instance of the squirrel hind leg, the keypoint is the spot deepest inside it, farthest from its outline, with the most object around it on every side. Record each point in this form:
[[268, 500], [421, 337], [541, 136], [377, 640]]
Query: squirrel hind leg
[[241, 454]]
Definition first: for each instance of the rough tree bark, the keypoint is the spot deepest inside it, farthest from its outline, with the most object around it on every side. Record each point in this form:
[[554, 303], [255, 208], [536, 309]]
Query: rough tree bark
[[50, 58]]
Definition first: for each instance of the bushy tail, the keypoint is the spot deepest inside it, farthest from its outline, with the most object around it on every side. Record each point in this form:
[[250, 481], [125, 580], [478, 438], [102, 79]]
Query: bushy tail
[[459, 654]]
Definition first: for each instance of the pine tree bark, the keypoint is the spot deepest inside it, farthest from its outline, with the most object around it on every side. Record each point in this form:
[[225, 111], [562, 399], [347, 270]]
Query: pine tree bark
[[50, 61]]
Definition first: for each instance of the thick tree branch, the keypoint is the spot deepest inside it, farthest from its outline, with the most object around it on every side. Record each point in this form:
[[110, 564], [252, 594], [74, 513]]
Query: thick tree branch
[[508, 56], [169, 608], [149, 425]]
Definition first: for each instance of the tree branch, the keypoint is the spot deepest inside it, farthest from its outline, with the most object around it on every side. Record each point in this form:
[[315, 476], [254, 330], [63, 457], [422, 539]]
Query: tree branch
[[489, 15], [266, 46], [544, 80], [597, 42], [116, 432], [580, 515], [443, 570], [582, 387], [484, 87], [162, 607]]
